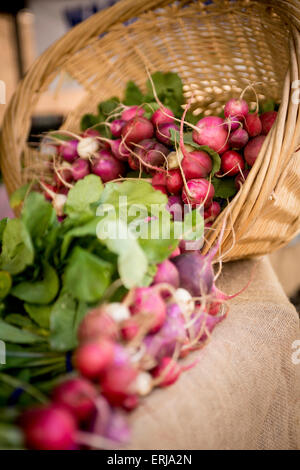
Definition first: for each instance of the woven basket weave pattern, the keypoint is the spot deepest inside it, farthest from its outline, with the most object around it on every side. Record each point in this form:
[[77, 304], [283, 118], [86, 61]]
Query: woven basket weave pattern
[[217, 49]]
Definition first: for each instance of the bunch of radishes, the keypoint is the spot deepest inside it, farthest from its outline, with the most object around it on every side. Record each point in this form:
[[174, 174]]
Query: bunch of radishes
[[125, 350]]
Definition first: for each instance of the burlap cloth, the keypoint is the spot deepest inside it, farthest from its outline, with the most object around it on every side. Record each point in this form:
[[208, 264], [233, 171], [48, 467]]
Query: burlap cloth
[[244, 393]]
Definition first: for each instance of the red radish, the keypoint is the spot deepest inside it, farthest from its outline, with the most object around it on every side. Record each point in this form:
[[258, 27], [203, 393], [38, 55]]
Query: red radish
[[196, 274], [167, 273], [117, 384], [87, 147], [241, 178], [132, 112], [162, 116], [168, 371], [163, 189], [93, 358], [48, 428], [90, 133], [252, 149], [159, 179], [78, 396], [137, 129], [68, 150], [152, 153], [232, 163], [134, 163], [253, 124], [238, 139], [196, 164], [174, 206], [267, 119], [211, 132], [64, 173], [80, 169], [107, 166], [130, 402], [236, 108], [201, 191], [163, 132], [174, 181], [130, 329], [49, 191], [224, 148], [175, 253], [116, 127], [148, 302], [96, 324], [212, 211], [120, 150]]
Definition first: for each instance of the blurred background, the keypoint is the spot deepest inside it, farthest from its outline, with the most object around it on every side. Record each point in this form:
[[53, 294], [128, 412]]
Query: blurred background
[[27, 28]]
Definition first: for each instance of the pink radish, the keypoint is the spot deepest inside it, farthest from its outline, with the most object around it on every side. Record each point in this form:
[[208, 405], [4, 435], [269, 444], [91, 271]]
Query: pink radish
[[236, 108], [253, 124], [212, 211], [107, 166], [241, 178], [201, 191], [267, 119], [175, 253], [168, 371], [120, 150], [117, 384], [90, 133], [96, 324], [159, 179], [116, 127], [162, 116], [148, 302], [174, 181], [238, 139], [68, 150], [132, 112], [252, 149], [130, 329], [93, 358], [232, 163], [232, 124], [78, 396], [49, 428], [167, 273], [163, 132], [196, 164], [211, 132], [137, 129], [80, 169]]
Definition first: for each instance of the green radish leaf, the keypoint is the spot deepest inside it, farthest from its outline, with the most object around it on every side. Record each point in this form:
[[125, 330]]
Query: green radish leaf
[[82, 195], [11, 437], [37, 215], [107, 107], [3, 223], [5, 284], [224, 187], [169, 90], [39, 292], [268, 105], [87, 276], [12, 334], [18, 196], [158, 247], [90, 228], [118, 239], [89, 121], [17, 250], [40, 314], [193, 226], [133, 95], [66, 316], [150, 108]]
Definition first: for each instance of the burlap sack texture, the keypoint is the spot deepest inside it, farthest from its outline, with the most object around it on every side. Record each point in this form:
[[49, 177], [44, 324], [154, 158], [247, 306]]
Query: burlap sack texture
[[245, 391]]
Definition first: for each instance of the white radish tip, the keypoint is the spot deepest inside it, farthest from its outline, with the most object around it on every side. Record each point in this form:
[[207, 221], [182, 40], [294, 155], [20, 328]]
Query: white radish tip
[[117, 311], [87, 147]]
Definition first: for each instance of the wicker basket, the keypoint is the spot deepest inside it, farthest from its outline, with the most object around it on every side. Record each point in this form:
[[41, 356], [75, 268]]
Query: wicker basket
[[217, 48]]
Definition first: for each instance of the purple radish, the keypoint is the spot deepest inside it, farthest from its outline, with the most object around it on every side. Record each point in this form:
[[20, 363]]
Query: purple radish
[[175, 207], [252, 149], [195, 273], [107, 166], [68, 150], [238, 139], [80, 169], [163, 133], [117, 428], [152, 153], [204, 323], [167, 273], [120, 150]]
